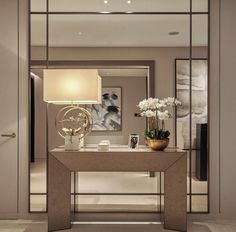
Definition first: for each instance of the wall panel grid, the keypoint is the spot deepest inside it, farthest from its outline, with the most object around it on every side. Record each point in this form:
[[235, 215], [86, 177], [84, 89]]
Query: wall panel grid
[[188, 48]]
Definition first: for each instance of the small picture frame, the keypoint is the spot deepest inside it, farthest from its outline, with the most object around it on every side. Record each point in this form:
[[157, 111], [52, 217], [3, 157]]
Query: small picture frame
[[133, 141]]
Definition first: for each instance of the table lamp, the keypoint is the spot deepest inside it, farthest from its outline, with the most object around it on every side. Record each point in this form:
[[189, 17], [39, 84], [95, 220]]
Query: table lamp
[[72, 87]]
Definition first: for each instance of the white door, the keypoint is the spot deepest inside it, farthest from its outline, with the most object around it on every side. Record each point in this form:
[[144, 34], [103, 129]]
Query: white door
[[8, 108]]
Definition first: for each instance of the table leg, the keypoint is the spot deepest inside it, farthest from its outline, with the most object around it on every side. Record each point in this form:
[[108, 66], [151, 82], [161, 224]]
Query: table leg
[[175, 209], [59, 199]]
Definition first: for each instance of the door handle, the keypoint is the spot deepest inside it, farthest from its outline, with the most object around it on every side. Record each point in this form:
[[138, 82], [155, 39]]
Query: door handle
[[13, 135]]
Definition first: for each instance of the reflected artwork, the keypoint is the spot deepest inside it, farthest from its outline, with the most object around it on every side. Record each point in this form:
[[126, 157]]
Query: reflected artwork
[[199, 99], [107, 116]]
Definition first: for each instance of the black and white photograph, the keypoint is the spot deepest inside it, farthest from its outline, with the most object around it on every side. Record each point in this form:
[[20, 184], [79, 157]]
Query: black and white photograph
[[199, 99], [133, 141], [107, 116]]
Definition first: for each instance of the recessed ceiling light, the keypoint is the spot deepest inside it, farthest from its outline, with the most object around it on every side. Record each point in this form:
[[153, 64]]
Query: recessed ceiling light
[[173, 33], [105, 1], [129, 1], [80, 33]]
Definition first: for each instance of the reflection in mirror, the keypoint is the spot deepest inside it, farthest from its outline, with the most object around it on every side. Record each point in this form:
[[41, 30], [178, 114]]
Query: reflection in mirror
[[200, 35], [199, 116], [121, 78], [200, 5], [163, 39], [200, 203], [119, 6], [38, 203], [117, 31], [38, 5], [114, 81], [198, 119], [192, 132], [119, 203], [38, 37]]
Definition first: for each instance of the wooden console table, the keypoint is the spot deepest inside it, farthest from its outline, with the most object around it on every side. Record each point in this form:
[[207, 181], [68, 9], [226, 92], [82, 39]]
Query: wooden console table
[[172, 162]]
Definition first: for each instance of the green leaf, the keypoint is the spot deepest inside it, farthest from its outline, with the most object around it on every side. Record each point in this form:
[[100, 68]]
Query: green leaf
[[157, 134]]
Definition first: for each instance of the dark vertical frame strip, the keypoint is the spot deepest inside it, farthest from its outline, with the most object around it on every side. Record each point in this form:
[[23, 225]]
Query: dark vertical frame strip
[[208, 112], [75, 191], [47, 111], [190, 105], [32, 108], [160, 193], [220, 2], [47, 150], [29, 103], [47, 34], [18, 100]]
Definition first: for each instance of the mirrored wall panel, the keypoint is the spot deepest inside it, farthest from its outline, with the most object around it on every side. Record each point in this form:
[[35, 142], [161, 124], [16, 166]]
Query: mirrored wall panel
[[38, 32], [141, 49], [119, 6]]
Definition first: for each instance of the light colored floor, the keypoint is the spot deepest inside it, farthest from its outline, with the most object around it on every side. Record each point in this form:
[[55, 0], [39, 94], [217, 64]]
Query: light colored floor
[[41, 226], [103, 182]]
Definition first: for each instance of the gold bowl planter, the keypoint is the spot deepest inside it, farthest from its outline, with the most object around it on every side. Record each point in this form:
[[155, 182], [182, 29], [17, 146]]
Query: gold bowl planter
[[157, 144]]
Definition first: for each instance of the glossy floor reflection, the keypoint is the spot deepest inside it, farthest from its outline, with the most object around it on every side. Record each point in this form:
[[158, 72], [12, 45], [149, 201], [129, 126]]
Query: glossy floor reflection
[[41, 226], [104, 182]]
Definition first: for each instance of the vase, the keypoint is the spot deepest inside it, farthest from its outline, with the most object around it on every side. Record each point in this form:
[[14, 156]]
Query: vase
[[157, 144]]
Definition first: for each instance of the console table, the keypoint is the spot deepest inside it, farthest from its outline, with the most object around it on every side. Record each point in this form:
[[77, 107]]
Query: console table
[[120, 159]]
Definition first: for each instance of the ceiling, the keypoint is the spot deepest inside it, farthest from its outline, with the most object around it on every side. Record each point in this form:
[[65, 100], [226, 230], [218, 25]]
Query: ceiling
[[120, 5], [106, 30]]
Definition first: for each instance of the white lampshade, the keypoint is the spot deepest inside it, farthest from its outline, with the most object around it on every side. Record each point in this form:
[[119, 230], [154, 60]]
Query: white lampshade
[[66, 86]]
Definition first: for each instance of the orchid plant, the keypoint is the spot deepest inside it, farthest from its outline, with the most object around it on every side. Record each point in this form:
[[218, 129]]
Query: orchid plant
[[157, 112]]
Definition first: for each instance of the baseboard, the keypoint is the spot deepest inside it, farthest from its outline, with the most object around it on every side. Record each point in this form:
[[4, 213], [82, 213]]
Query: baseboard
[[8, 216]]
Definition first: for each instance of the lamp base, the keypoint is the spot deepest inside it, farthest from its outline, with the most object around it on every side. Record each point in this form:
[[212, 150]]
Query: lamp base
[[72, 143], [73, 121]]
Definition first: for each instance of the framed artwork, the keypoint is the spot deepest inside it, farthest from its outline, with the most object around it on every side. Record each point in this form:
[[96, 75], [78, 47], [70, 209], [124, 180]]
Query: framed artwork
[[133, 141], [199, 99], [107, 116]]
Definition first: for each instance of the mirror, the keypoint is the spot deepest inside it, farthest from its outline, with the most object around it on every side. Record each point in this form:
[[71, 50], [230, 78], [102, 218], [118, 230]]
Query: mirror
[[38, 37], [119, 6], [157, 49]]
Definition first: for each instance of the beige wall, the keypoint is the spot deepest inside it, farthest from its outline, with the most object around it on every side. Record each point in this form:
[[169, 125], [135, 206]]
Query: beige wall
[[222, 108], [227, 107], [14, 41], [9, 108], [23, 160]]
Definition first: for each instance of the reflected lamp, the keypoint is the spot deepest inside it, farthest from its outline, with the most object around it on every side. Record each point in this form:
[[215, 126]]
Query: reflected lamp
[[72, 87]]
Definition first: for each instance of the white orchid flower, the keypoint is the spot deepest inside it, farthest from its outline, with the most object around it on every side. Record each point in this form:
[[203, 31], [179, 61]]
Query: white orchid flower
[[163, 115], [150, 113]]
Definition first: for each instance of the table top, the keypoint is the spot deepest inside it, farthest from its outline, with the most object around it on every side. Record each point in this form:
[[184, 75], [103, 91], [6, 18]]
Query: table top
[[116, 149], [119, 158]]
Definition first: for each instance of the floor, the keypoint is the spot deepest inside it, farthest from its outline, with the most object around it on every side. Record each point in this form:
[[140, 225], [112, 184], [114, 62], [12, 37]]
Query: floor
[[97, 183], [41, 226]]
